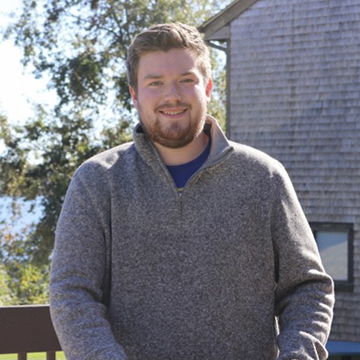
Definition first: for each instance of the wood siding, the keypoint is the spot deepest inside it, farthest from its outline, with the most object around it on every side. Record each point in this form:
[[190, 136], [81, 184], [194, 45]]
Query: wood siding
[[295, 94]]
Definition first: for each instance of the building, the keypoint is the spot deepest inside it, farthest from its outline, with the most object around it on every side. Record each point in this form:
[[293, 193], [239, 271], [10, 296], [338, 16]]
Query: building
[[293, 91]]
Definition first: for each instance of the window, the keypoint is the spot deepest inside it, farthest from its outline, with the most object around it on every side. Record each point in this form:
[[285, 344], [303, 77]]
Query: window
[[335, 243]]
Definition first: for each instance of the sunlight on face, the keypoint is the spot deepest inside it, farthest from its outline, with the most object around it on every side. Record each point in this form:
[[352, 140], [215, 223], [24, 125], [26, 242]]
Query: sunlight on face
[[172, 97]]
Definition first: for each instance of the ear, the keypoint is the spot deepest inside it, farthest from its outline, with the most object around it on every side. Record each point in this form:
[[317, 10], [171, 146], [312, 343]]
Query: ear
[[208, 90], [134, 97]]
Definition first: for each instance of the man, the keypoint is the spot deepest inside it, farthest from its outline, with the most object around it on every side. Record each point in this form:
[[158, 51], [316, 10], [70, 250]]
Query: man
[[182, 244]]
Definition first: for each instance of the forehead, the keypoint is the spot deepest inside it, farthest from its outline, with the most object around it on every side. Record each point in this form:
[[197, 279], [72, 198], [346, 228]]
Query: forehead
[[164, 63]]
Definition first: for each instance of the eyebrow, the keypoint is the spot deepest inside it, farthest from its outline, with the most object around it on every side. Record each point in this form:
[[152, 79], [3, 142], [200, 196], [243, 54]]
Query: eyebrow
[[156, 76], [152, 76], [188, 73]]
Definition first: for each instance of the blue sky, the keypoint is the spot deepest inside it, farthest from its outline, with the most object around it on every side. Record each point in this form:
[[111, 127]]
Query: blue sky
[[18, 90], [18, 87]]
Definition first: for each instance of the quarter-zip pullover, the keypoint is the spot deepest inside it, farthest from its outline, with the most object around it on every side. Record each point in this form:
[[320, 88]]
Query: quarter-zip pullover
[[229, 270]]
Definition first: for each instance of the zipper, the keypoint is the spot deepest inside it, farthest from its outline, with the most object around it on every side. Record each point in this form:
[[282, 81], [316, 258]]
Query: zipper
[[179, 194], [197, 174]]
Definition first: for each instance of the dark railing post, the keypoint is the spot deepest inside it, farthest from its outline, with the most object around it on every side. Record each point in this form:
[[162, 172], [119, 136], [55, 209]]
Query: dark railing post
[[51, 355], [22, 356]]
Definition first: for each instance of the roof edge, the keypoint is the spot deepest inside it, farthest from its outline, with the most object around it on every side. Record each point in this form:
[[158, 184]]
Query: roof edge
[[225, 16]]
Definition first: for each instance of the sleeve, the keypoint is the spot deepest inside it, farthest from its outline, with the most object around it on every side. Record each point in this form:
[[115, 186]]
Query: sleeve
[[79, 271], [304, 296]]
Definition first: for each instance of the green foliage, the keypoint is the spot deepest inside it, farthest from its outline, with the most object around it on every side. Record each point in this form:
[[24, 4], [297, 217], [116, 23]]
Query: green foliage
[[22, 281], [6, 297], [39, 161], [217, 107], [80, 45]]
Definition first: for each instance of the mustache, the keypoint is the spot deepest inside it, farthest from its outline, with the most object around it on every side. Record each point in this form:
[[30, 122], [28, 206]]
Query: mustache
[[177, 104]]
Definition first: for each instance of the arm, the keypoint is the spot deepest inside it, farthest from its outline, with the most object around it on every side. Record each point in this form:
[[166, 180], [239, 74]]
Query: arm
[[79, 271], [304, 293]]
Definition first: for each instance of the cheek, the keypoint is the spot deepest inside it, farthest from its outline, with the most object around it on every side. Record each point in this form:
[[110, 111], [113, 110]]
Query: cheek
[[201, 98], [200, 93], [148, 98]]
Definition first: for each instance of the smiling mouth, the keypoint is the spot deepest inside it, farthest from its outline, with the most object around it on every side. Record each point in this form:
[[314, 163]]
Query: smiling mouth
[[173, 113]]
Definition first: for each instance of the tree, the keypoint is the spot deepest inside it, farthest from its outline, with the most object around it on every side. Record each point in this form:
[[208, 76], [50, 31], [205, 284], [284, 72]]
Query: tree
[[81, 45], [6, 297], [21, 280]]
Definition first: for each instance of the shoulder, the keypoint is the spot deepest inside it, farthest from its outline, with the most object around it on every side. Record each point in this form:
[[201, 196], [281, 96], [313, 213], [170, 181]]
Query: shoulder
[[109, 158], [94, 172], [254, 160], [261, 171], [106, 160]]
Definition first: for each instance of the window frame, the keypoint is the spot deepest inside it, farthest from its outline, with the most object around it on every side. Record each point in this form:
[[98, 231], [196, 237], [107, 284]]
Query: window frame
[[340, 285]]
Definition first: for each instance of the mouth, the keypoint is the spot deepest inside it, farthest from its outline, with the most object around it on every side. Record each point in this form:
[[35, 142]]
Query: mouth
[[173, 113]]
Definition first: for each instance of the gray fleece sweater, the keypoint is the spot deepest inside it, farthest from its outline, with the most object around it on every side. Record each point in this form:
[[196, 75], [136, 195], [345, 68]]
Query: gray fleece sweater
[[227, 270]]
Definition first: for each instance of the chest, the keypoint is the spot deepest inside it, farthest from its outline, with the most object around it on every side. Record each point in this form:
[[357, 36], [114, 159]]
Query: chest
[[216, 220]]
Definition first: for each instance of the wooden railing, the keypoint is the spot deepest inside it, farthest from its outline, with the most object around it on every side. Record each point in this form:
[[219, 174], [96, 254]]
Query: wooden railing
[[26, 329]]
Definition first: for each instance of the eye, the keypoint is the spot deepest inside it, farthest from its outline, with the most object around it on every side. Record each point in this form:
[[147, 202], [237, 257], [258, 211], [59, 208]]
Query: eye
[[187, 80], [155, 83]]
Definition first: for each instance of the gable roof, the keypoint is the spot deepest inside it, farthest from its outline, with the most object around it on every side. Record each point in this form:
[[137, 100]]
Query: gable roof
[[216, 28]]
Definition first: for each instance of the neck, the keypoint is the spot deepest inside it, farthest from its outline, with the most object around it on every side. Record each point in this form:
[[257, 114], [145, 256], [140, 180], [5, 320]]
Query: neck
[[184, 154]]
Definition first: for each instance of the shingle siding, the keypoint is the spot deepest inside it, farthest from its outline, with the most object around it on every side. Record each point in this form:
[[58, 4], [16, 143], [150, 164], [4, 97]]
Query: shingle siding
[[295, 94]]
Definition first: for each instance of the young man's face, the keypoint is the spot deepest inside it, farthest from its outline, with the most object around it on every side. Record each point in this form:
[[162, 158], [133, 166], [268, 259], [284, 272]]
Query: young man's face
[[172, 96]]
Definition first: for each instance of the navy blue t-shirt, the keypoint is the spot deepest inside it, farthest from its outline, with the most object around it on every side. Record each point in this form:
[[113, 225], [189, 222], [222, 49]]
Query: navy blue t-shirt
[[182, 173]]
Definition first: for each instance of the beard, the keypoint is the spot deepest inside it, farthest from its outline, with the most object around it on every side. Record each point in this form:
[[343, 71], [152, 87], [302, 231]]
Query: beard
[[173, 134]]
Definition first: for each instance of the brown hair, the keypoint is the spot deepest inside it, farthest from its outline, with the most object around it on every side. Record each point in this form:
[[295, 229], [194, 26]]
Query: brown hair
[[164, 37]]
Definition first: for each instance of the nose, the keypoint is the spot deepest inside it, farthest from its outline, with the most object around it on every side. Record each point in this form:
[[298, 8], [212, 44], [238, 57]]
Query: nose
[[172, 92]]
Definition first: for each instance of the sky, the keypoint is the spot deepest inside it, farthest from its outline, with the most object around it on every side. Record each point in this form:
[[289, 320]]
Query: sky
[[18, 90], [18, 87]]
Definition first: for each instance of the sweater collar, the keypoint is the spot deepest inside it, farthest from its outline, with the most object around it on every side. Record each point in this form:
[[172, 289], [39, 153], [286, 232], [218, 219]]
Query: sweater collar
[[220, 145]]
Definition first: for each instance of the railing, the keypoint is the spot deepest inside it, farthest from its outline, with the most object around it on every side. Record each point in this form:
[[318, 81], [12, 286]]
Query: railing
[[26, 329]]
